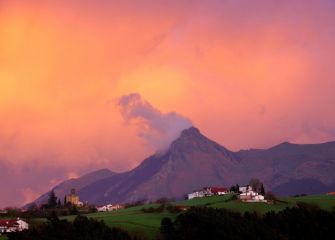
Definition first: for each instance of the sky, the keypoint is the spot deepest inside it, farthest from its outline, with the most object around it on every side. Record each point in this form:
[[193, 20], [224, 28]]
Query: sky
[[248, 74]]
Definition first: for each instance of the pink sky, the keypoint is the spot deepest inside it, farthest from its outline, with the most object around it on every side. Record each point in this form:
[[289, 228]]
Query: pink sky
[[249, 74]]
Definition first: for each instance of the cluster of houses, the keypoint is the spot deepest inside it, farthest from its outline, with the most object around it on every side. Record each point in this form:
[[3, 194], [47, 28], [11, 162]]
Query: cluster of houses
[[207, 191], [246, 194], [73, 198], [109, 208], [12, 225]]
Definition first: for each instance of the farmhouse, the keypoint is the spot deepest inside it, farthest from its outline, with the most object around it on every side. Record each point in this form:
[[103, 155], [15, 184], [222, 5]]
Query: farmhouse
[[12, 225], [218, 190], [248, 195], [109, 208]]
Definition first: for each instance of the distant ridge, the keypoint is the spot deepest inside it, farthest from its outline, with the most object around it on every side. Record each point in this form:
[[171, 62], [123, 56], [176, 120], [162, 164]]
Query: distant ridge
[[64, 188]]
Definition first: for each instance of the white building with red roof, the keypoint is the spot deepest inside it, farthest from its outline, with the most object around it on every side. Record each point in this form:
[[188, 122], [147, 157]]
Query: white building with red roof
[[13, 225]]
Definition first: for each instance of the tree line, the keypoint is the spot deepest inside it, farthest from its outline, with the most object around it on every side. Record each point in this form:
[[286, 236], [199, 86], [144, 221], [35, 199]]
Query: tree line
[[82, 228], [303, 221]]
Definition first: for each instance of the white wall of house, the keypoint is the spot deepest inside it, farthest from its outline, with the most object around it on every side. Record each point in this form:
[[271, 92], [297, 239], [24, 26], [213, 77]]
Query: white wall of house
[[109, 208], [245, 189], [22, 225], [19, 225], [252, 196], [195, 195]]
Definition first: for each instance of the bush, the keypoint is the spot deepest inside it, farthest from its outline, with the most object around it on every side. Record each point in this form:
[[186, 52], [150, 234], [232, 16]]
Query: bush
[[159, 209], [232, 198], [270, 196], [167, 228]]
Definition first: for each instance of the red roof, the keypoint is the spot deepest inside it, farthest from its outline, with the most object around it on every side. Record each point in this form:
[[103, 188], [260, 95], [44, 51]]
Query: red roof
[[331, 193], [218, 189], [8, 223]]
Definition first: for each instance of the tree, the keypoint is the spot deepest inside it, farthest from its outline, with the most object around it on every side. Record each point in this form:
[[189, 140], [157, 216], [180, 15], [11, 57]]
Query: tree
[[256, 184], [262, 190], [270, 196], [59, 204], [233, 189], [52, 201], [73, 209], [12, 211], [167, 228], [33, 207], [65, 200]]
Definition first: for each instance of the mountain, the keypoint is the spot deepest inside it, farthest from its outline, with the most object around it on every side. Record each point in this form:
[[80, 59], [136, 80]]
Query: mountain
[[303, 186], [65, 187], [193, 161], [285, 164]]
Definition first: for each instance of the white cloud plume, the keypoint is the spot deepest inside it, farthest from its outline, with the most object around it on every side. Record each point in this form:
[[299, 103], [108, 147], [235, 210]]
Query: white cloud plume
[[156, 128]]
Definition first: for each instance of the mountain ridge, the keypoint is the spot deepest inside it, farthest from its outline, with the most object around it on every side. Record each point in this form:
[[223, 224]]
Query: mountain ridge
[[193, 161]]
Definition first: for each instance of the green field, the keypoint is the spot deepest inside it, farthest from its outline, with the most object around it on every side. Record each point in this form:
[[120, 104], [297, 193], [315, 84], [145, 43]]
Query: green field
[[147, 225], [133, 220], [136, 221], [3, 237]]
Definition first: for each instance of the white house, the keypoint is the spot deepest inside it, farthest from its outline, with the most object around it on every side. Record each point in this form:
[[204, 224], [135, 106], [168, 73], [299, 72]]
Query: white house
[[248, 195], [207, 191], [245, 189], [199, 194], [13, 225], [218, 190], [109, 208], [196, 194]]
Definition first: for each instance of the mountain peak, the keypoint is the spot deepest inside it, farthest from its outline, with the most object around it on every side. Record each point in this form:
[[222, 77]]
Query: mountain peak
[[190, 131], [191, 140], [190, 136]]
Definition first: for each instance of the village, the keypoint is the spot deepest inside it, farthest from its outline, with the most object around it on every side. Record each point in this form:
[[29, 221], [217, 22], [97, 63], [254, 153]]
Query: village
[[245, 194], [72, 205]]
